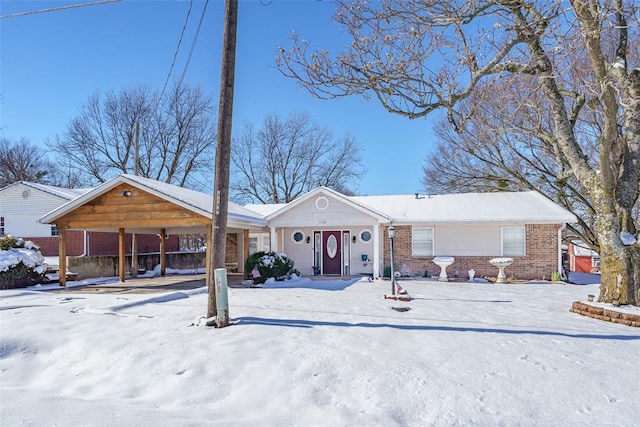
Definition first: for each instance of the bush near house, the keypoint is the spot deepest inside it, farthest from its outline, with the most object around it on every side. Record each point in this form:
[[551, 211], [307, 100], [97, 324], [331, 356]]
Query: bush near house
[[21, 263], [268, 264]]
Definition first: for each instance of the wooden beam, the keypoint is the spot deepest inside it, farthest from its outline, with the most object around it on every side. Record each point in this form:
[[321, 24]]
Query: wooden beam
[[62, 257], [163, 252], [122, 260], [86, 224], [134, 255]]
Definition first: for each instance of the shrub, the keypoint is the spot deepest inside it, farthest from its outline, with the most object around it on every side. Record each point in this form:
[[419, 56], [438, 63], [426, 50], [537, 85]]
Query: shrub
[[269, 264], [21, 263]]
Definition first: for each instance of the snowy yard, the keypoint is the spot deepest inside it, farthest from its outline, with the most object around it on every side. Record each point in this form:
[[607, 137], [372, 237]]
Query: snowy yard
[[465, 354]]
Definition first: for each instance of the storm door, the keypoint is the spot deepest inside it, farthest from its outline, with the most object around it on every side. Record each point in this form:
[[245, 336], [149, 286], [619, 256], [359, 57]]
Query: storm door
[[332, 253]]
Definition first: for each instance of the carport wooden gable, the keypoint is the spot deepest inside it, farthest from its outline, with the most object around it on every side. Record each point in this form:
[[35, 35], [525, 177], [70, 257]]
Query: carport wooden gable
[[131, 207]]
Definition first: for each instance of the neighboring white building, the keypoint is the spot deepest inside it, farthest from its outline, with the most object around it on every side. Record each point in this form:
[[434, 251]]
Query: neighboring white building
[[22, 204]]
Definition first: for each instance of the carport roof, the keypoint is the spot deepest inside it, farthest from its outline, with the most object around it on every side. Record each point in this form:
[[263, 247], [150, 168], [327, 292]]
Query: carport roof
[[197, 202]]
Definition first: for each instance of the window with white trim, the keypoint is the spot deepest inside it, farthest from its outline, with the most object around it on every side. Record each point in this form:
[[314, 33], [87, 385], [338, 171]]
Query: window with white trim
[[1, 226], [365, 236], [297, 236], [54, 231], [513, 241], [253, 245], [422, 241]]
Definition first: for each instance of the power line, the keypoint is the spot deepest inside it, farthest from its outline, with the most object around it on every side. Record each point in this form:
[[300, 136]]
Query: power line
[[175, 55], [193, 44], [55, 9]]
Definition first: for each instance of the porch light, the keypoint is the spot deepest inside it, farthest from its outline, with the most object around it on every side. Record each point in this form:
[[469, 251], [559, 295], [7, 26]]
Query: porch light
[[126, 193]]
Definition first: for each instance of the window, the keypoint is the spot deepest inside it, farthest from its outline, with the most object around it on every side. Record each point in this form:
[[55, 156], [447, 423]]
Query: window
[[54, 231], [297, 236], [266, 243], [253, 245], [322, 203], [365, 236], [1, 226], [513, 241], [421, 241], [595, 262]]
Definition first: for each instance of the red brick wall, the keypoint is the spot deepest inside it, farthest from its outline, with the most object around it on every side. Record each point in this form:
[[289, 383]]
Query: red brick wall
[[49, 245], [541, 259], [103, 243]]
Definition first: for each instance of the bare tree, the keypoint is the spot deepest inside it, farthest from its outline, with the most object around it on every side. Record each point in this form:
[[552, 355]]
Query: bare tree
[[286, 158], [416, 57], [23, 161], [509, 145], [176, 135]]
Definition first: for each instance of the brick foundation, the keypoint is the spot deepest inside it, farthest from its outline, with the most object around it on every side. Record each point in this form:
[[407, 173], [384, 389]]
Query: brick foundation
[[605, 314]]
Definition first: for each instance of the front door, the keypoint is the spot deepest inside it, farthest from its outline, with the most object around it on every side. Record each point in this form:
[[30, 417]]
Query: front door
[[332, 253]]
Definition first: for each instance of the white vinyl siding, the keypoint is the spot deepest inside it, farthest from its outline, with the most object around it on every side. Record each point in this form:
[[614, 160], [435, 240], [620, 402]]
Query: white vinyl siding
[[513, 241], [422, 241]]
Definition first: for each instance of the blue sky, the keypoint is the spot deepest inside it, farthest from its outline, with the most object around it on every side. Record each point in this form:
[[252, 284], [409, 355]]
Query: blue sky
[[51, 62]]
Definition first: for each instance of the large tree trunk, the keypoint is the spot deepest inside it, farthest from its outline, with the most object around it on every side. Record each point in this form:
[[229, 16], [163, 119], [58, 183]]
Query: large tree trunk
[[620, 264], [620, 274]]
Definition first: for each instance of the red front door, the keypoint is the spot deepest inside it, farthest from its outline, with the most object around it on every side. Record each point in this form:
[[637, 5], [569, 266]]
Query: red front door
[[332, 252]]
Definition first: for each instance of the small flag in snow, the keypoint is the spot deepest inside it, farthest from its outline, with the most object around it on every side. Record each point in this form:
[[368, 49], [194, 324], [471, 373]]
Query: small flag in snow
[[255, 273]]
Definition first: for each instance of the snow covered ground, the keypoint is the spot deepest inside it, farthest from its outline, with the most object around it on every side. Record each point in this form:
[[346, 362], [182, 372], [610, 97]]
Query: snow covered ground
[[465, 354]]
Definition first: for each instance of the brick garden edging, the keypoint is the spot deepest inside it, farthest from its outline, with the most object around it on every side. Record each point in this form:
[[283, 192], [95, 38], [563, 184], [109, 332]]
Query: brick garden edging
[[606, 315]]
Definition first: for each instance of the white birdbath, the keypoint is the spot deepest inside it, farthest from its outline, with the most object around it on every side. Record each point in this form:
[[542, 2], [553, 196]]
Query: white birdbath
[[501, 263], [443, 262]]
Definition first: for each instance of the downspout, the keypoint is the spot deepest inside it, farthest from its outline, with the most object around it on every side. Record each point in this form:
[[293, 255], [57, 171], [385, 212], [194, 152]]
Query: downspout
[[560, 230], [85, 244]]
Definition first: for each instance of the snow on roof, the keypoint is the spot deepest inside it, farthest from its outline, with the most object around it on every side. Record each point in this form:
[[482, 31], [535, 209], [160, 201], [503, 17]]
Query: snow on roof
[[265, 210], [522, 207], [64, 193], [274, 210], [201, 201], [189, 199]]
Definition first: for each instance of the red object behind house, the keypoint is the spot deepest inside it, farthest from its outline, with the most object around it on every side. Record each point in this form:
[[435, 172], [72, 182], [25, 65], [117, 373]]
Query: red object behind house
[[583, 259]]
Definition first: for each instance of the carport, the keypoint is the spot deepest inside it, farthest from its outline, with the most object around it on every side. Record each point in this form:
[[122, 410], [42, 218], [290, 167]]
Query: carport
[[132, 204]]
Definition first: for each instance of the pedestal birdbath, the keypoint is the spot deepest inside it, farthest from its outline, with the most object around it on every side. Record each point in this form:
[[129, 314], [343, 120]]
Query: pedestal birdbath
[[443, 262], [501, 263]]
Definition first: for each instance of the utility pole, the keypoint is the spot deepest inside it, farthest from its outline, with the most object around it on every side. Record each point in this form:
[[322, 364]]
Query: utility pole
[[134, 238], [216, 251]]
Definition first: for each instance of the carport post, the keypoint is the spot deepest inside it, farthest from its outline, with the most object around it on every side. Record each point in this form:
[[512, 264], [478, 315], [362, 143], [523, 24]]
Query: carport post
[[163, 252], [122, 259], [62, 257], [222, 298]]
